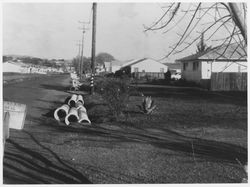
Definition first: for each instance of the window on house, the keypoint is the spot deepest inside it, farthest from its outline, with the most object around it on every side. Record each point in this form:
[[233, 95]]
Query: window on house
[[185, 65], [195, 66], [136, 69], [161, 70]]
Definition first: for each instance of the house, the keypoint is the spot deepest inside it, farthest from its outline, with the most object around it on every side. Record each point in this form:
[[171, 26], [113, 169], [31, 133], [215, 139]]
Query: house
[[112, 66], [200, 66], [174, 67], [145, 65]]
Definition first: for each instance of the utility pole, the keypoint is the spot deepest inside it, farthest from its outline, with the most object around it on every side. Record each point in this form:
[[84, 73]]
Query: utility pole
[[78, 56], [81, 58], [93, 47]]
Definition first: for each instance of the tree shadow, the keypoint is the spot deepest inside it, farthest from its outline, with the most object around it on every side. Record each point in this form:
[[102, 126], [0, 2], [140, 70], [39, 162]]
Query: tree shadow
[[33, 167], [54, 87], [49, 102], [209, 149], [230, 97]]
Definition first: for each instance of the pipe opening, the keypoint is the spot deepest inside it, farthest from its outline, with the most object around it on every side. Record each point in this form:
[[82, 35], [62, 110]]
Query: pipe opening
[[72, 103], [61, 114], [80, 101], [84, 121], [72, 118]]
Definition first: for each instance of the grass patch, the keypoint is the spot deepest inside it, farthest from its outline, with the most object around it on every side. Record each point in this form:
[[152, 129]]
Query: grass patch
[[202, 133]]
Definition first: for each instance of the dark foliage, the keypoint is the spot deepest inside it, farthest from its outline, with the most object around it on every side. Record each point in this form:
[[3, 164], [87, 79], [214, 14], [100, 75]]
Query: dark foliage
[[123, 72], [116, 93], [104, 57]]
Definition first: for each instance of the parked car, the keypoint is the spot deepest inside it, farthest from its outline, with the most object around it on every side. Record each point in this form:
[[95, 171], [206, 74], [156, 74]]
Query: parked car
[[176, 76]]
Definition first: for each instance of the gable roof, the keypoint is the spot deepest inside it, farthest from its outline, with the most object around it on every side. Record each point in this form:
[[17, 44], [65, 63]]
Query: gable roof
[[173, 65], [133, 62], [231, 52]]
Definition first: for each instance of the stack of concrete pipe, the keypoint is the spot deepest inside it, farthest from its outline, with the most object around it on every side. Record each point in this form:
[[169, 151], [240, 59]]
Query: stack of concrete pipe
[[72, 111]]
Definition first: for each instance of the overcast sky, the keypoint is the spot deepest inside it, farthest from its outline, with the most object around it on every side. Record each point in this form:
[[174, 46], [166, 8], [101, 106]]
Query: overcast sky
[[50, 30]]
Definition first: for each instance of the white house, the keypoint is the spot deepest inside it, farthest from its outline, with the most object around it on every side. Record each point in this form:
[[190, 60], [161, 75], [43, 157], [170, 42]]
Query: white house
[[113, 66], [174, 67], [146, 65], [200, 66]]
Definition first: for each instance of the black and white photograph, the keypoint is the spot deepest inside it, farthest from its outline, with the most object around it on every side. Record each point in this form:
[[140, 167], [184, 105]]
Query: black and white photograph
[[124, 92]]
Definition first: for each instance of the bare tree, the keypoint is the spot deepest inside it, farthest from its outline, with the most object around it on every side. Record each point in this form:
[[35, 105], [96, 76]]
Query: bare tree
[[210, 19]]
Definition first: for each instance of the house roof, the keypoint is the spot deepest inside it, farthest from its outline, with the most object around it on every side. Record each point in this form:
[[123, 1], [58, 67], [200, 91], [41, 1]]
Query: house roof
[[231, 52], [114, 63], [132, 62], [173, 65]]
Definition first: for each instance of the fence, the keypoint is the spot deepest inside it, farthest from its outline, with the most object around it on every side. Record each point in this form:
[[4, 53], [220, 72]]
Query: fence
[[229, 82], [148, 75]]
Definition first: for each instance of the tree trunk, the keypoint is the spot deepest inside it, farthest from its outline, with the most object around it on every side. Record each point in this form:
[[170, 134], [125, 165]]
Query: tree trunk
[[238, 19]]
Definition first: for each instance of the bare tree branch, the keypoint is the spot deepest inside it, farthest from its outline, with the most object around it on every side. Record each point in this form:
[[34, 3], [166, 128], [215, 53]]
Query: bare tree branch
[[233, 23], [204, 32], [198, 21], [236, 48], [242, 45], [228, 44], [172, 16], [223, 39], [150, 28], [238, 19], [218, 28], [184, 31], [178, 21]]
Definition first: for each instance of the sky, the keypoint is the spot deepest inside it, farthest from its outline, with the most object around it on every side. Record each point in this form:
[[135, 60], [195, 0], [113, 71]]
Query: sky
[[51, 30]]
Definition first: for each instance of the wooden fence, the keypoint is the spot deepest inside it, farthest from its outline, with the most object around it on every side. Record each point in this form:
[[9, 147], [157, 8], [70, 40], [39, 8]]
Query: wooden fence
[[148, 75], [229, 82]]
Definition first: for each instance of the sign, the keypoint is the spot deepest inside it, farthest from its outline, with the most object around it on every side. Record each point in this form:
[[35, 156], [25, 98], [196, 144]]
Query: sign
[[17, 114]]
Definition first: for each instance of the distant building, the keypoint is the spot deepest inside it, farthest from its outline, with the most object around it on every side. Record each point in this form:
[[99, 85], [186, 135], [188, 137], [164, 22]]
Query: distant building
[[15, 67], [113, 66], [174, 67], [200, 66], [146, 65]]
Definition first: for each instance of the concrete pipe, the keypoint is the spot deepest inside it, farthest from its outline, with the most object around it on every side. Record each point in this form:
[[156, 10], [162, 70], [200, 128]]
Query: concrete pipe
[[79, 105], [80, 98], [61, 112], [83, 117], [72, 101], [66, 101], [72, 116]]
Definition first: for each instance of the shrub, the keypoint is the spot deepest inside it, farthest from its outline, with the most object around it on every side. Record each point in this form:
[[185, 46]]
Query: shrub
[[116, 93], [123, 72]]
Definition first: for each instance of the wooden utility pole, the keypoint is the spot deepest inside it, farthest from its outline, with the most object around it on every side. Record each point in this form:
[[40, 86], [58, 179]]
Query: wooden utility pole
[[81, 58], [93, 48], [78, 56]]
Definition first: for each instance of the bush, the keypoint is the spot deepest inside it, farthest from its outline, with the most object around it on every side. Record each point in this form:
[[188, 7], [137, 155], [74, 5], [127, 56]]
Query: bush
[[123, 72], [116, 93]]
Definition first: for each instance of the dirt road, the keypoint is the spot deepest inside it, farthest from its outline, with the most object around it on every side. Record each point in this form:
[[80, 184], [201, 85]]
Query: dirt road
[[26, 159]]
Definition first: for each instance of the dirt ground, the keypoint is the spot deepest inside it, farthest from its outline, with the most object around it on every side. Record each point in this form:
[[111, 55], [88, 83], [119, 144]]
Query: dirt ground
[[48, 152]]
